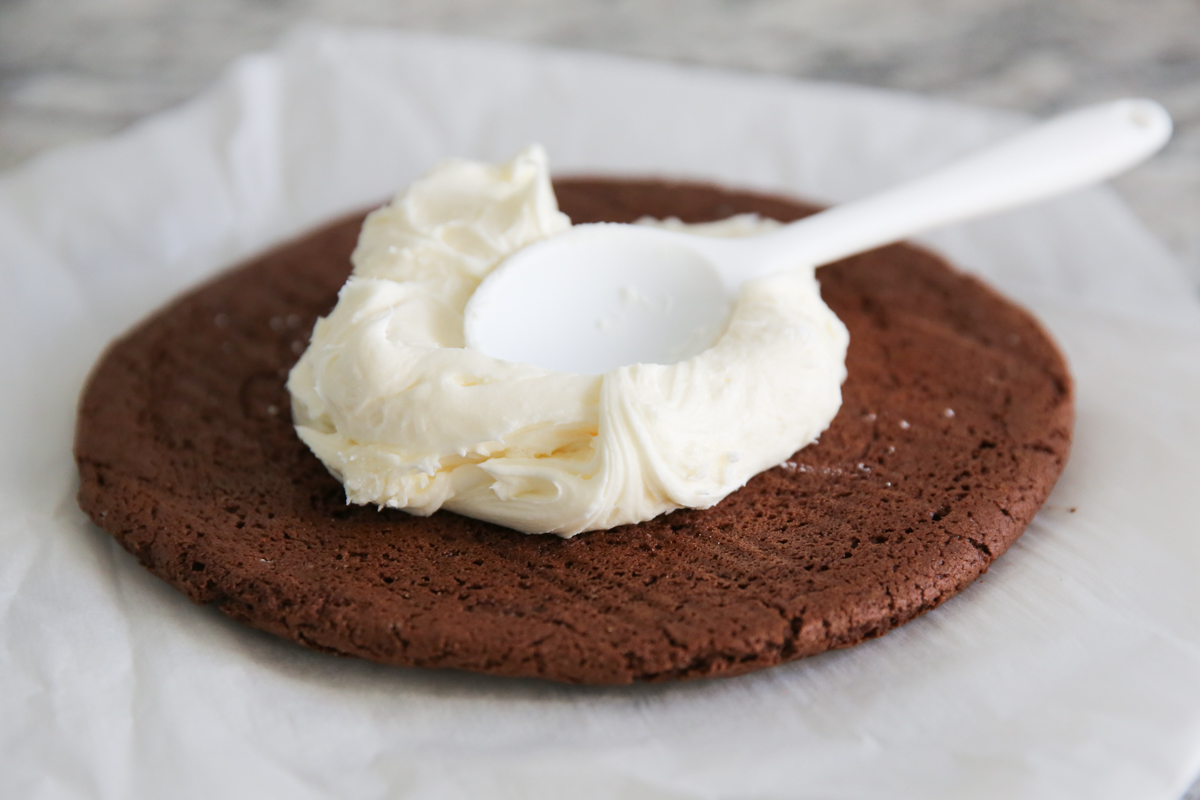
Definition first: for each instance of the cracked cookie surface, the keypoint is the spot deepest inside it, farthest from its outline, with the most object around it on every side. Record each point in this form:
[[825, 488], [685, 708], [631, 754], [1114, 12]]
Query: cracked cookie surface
[[955, 423]]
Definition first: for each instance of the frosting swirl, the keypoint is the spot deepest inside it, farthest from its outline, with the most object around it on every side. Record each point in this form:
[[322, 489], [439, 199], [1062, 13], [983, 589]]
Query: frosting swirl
[[405, 416]]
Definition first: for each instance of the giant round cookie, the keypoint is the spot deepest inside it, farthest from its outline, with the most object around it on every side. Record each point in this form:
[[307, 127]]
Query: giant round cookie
[[955, 424]]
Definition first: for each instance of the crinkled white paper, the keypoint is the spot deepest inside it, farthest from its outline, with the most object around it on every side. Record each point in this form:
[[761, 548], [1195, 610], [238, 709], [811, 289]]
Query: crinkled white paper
[[1072, 669]]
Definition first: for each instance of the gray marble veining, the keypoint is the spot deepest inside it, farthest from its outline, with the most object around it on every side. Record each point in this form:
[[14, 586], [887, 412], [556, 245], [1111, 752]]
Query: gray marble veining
[[76, 69]]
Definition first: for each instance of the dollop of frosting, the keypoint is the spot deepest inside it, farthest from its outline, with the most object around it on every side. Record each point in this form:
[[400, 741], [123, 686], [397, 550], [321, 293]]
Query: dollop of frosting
[[388, 397]]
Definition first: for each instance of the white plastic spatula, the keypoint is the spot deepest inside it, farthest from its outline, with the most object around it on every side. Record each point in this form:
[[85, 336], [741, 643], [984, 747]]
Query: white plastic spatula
[[604, 295]]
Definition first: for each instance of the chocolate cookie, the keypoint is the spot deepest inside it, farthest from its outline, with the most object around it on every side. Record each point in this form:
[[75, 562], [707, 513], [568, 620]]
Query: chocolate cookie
[[955, 424]]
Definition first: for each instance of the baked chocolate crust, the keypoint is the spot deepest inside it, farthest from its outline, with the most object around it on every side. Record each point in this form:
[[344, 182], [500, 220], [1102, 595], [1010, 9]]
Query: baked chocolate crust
[[955, 424]]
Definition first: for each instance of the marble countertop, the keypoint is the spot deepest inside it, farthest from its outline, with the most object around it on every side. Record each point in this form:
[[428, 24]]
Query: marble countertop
[[77, 69], [72, 70]]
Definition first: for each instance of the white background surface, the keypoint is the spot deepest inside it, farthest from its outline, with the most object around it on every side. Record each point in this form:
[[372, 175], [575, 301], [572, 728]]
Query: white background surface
[[77, 69], [1069, 670]]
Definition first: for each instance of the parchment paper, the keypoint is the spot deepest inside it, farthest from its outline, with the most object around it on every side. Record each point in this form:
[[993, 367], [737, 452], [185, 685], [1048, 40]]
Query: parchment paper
[[1072, 669]]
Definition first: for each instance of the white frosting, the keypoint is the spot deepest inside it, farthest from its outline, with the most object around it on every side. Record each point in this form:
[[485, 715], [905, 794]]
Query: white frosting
[[394, 405]]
